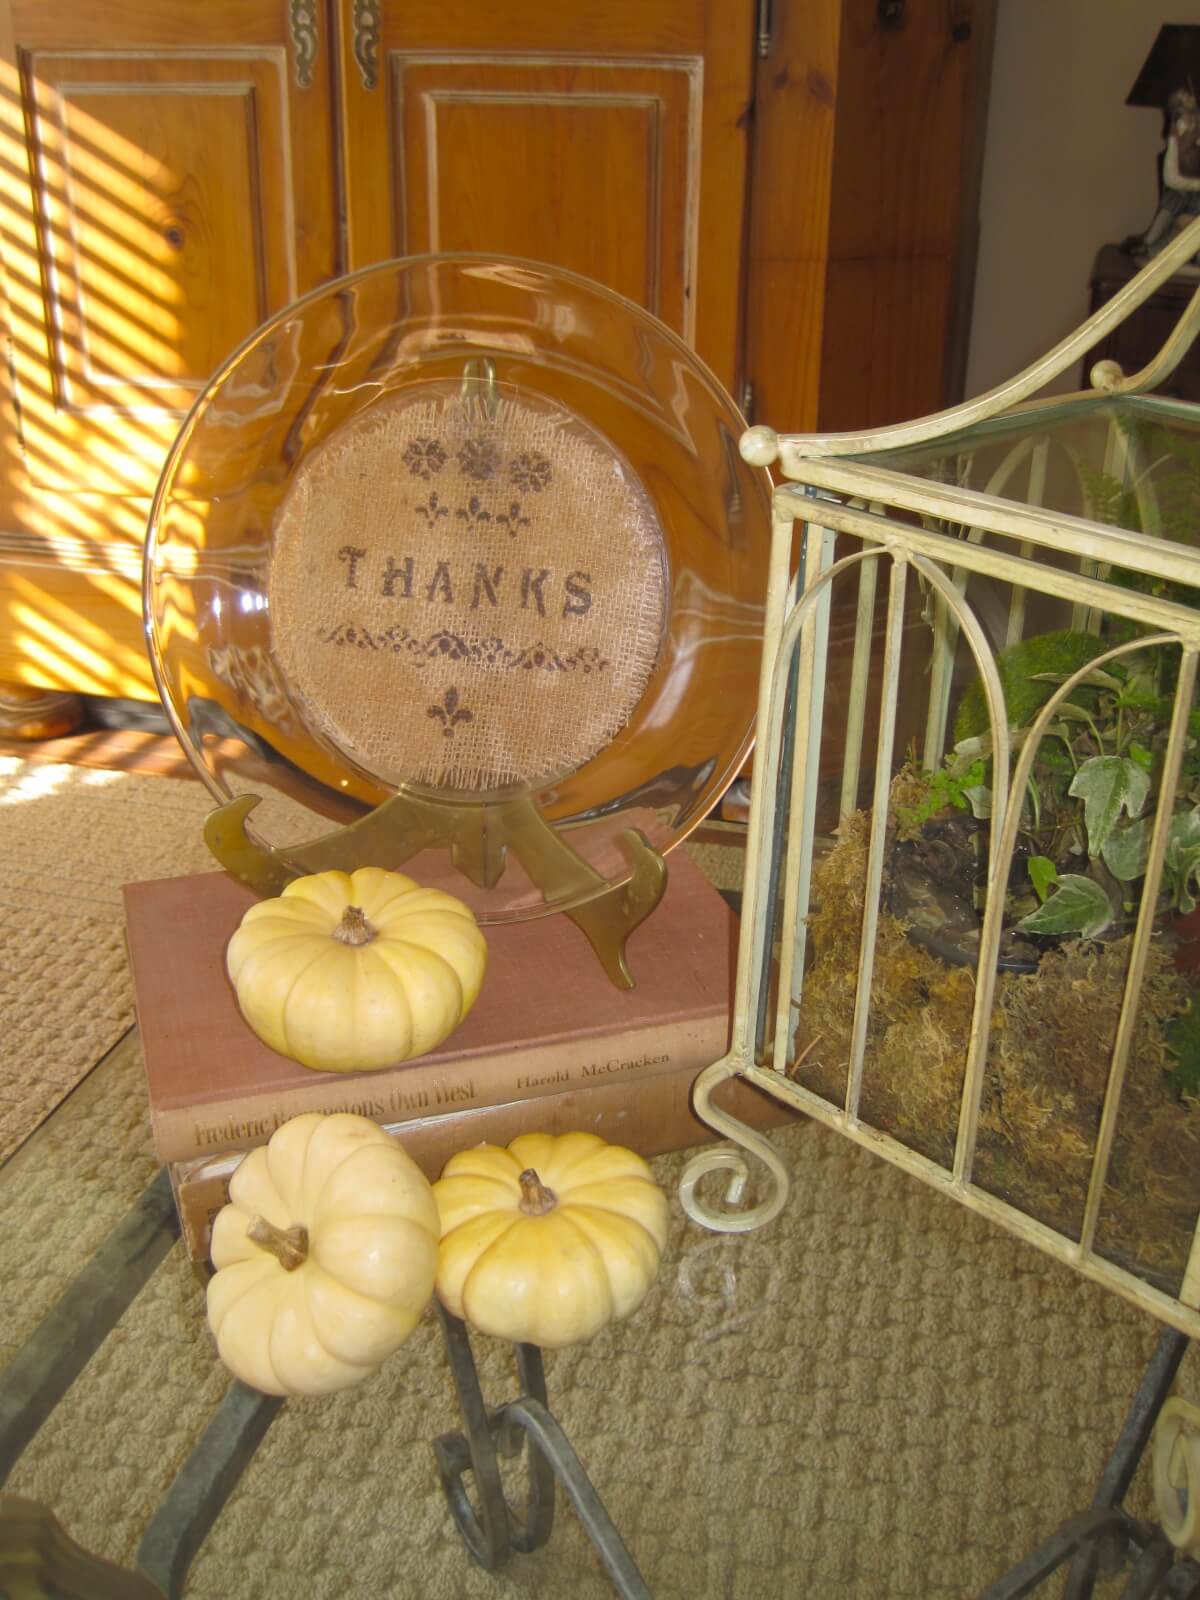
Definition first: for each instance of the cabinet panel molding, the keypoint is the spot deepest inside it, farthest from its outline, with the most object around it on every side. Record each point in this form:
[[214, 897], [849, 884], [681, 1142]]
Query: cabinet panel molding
[[159, 232], [525, 157]]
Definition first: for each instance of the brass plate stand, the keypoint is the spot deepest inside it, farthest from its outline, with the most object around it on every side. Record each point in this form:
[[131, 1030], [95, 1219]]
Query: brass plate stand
[[479, 838]]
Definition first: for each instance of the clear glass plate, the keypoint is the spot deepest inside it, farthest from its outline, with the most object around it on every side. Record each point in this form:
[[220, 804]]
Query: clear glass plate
[[467, 530]]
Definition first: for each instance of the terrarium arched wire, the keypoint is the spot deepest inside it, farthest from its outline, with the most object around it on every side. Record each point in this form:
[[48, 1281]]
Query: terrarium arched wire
[[972, 853]]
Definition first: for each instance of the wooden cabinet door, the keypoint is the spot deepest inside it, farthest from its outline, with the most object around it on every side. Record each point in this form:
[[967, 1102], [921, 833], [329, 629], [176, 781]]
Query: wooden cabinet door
[[167, 182], [610, 139]]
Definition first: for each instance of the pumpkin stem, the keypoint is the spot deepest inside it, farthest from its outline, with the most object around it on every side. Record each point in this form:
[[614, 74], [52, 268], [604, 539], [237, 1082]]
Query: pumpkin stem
[[289, 1246], [536, 1199], [354, 927]]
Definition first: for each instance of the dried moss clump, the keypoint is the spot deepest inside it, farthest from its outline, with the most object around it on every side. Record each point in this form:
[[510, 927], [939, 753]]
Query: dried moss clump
[[919, 1016], [1052, 1035]]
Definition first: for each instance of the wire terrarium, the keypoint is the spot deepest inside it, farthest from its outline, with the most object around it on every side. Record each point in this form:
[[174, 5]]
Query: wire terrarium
[[972, 857]]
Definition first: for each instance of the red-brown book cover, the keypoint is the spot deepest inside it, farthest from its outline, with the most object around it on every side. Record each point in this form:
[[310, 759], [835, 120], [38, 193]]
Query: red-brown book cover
[[547, 1021], [652, 1116]]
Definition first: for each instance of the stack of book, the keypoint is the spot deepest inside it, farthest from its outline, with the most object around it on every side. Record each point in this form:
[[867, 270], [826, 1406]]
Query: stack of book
[[551, 1044]]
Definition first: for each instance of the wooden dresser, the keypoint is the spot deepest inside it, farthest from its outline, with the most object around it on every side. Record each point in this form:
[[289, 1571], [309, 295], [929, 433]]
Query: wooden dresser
[[789, 185]]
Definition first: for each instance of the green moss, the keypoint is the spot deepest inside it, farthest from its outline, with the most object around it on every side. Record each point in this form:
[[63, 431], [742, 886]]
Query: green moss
[[1062, 653], [930, 793]]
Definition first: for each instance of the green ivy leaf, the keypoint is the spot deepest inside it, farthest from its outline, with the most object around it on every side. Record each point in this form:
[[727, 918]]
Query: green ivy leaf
[[1125, 850], [1096, 678], [1108, 785], [1140, 756], [1078, 905], [1183, 1041], [1042, 875], [1181, 862], [979, 797], [1183, 834]]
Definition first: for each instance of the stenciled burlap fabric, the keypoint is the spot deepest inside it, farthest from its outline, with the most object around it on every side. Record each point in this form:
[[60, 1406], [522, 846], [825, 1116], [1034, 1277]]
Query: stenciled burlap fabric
[[464, 598], [879, 1394]]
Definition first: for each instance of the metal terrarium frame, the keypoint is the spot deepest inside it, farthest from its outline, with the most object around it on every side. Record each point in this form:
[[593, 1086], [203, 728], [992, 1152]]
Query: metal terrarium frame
[[824, 497]]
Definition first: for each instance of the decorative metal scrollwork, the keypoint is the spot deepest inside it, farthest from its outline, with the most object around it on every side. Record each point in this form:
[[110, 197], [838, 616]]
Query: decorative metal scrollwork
[[368, 22], [729, 1220], [302, 24]]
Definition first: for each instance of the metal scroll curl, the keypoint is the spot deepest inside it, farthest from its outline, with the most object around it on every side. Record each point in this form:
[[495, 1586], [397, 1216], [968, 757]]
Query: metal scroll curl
[[726, 1160]]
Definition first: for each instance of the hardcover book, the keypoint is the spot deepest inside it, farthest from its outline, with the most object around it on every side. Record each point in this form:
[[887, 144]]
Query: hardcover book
[[547, 1022], [652, 1116]]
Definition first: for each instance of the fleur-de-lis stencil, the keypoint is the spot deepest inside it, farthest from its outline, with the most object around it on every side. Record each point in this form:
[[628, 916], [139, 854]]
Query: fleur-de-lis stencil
[[450, 713], [433, 509], [512, 519], [474, 513]]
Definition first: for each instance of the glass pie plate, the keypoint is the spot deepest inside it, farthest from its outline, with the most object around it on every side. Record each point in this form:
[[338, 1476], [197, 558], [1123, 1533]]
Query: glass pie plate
[[474, 532]]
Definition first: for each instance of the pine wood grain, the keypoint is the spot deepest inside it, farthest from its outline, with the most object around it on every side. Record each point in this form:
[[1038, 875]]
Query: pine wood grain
[[164, 183], [611, 139]]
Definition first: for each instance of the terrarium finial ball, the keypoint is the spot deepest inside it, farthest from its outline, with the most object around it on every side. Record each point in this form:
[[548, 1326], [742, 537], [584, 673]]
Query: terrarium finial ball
[[759, 446], [1106, 375]]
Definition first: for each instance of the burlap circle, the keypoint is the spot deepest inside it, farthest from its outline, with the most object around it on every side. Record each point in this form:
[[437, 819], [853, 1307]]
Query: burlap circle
[[466, 600]]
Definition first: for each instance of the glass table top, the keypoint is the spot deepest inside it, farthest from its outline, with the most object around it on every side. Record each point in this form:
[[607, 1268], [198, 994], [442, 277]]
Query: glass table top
[[723, 1425]]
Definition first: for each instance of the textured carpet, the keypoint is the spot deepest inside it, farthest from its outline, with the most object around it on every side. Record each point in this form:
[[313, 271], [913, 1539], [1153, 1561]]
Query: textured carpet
[[877, 1395], [71, 837]]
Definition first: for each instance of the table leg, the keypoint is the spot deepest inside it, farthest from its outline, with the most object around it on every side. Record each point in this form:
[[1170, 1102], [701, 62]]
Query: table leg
[[1105, 1533], [46, 1366], [202, 1486], [494, 1529]]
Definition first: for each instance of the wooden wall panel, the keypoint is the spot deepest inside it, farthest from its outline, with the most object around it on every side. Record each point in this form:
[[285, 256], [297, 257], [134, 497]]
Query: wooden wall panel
[[903, 190], [166, 182], [795, 114], [867, 143], [171, 174]]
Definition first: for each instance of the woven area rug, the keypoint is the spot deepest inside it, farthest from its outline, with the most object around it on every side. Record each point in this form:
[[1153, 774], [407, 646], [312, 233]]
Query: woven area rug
[[71, 837], [880, 1394]]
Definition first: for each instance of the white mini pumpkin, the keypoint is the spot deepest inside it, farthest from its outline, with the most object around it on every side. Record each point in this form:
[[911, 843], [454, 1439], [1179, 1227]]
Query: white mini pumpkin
[[548, 1240], [350, 971], [325, 1256]]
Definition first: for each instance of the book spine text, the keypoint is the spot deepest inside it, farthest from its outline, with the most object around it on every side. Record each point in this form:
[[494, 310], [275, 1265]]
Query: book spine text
[[431, 1089]]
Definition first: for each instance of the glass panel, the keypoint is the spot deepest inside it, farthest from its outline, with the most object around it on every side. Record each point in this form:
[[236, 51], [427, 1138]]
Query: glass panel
[[1130, 463], [1152, 1198], [913, 1035], [1089, 702]]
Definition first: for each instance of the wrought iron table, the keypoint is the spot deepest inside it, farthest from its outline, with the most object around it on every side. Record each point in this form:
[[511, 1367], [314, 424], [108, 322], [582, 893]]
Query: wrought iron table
[[472, 1462]]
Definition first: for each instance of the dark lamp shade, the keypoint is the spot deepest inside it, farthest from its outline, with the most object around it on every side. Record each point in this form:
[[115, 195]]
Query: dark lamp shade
[[1173, 63]]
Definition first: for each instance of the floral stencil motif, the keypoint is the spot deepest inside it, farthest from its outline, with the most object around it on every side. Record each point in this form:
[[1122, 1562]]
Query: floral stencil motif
[[531, 471], [450, 713], [424, 458], [491, 653], [443, 643], [479, 459], [433, 509], [512, 519]]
